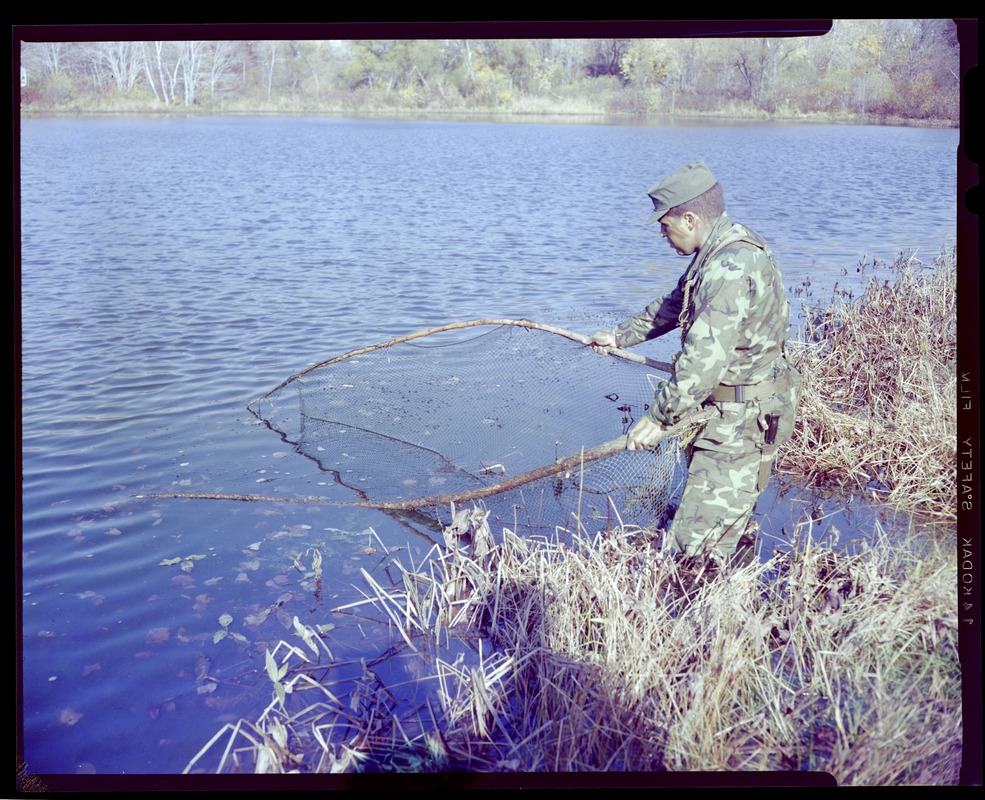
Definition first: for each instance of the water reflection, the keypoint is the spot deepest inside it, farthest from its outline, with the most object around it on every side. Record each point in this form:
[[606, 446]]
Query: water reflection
[[791, 513]]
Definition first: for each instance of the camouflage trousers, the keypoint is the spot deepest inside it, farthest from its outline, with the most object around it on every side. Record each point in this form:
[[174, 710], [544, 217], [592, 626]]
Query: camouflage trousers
[[729, 464], [719, 498]]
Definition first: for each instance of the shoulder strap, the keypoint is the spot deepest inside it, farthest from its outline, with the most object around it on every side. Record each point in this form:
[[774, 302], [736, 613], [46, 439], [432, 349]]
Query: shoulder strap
[[749, 237]]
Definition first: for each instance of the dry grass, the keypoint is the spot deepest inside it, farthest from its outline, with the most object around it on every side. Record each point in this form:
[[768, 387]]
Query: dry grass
[[879, 408], [607, 658]]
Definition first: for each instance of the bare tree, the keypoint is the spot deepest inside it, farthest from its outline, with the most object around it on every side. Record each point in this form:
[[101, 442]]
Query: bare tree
[[160, 76], [269, 52], [190, 58], [122, 60], [43, 58], [758, 62], [607, 56]]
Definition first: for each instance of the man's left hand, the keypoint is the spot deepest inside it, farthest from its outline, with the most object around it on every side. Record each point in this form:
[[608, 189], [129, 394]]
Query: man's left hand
[[604, 342], [644, 435]]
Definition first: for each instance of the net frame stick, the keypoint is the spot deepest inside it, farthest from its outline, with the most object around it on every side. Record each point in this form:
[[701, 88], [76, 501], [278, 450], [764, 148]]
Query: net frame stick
[[664, 366]]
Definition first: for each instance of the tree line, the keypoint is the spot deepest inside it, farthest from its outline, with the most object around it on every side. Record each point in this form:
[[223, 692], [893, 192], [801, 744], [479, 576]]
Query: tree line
[[907, 69]]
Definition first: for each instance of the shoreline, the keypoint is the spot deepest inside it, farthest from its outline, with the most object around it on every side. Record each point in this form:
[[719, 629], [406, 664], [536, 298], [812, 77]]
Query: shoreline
[[402, 114]]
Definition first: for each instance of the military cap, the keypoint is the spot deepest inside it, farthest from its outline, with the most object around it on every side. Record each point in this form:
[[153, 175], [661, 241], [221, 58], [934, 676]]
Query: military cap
[[680, 186]]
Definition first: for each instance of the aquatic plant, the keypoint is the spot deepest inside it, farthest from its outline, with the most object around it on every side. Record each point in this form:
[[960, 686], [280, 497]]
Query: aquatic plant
[[879, 407], [600, 656]]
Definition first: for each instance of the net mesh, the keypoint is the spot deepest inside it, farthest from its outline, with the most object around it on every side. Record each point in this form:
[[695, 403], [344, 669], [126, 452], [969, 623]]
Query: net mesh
[[455, 411]]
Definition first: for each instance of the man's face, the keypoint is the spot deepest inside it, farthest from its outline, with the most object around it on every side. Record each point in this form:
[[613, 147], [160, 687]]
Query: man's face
[[680, 232]]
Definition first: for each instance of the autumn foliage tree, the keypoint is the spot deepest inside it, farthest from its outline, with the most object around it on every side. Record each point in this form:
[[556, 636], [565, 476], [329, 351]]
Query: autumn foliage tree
[[882, 68]]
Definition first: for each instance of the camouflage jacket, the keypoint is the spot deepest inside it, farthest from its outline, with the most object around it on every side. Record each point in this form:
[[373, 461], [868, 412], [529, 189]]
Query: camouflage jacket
[[734, 317]]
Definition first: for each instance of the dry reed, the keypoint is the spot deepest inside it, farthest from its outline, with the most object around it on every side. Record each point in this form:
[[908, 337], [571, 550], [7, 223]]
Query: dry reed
[[604, 657], [879, 407]]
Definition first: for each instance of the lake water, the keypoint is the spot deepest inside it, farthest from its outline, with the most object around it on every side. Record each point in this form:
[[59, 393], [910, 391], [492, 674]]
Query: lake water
[[175, 269]]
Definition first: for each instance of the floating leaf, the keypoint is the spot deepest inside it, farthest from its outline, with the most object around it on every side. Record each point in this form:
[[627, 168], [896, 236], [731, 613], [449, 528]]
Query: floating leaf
[[218, 636], [239, 637], [114, 532], [69, 716], [258, 618], [158, 635], [225, 620], [168, 562], [255, 546]]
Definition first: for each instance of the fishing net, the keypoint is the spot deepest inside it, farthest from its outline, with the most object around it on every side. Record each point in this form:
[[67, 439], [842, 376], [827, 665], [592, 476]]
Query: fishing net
[[518, 416]]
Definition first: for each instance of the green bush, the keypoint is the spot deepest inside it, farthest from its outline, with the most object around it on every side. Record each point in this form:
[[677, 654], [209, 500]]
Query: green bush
[[56, 89]]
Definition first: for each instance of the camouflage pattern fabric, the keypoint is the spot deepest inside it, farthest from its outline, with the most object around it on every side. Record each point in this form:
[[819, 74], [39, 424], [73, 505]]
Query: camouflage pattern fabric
[[718, 502], [734, 317]]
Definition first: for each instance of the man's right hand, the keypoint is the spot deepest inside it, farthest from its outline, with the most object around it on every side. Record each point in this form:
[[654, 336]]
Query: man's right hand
[[644, 435], [604, 342]]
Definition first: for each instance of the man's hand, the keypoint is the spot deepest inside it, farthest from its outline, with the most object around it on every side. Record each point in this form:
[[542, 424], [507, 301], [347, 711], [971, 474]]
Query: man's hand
[[604, 342], [644, 435]]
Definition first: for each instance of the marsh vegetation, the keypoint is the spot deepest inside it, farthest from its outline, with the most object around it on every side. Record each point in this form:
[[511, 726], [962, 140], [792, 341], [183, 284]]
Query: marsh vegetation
[[879, 409]]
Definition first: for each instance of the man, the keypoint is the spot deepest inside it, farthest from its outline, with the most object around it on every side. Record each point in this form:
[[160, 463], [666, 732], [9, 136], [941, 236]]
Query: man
[[732, 310]]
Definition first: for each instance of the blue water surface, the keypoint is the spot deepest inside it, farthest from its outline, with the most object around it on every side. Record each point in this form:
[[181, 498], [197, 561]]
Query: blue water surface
[[175, 269]]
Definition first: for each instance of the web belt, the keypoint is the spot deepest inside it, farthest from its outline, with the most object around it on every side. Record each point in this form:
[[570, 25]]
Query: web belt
[[724, 393]]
